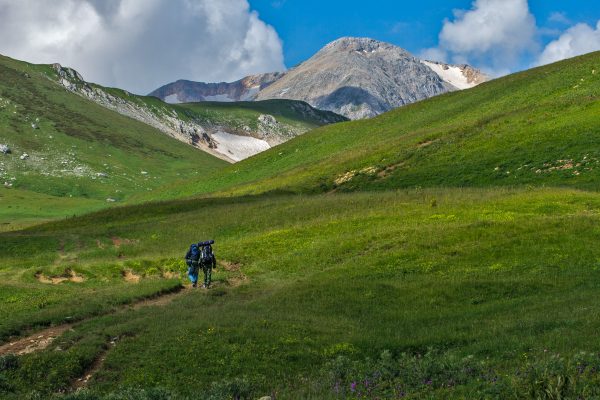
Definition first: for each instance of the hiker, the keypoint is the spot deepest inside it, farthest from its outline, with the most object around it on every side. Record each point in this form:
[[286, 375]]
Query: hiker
[[192, 258], [207, 261]]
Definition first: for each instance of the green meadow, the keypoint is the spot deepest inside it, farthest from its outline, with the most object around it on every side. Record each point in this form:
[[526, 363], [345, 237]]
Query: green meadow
[[445, 250], [539, 127], [466, 287]]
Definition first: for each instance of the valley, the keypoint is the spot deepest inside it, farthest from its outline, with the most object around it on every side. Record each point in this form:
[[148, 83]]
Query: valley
[[445, 249]]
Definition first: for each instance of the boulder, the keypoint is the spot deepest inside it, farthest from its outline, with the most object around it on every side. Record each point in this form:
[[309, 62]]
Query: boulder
[[24, 156], [5, 149]]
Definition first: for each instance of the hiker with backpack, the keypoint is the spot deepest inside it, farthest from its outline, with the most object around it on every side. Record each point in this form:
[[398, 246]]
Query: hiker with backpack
[[207, 261], [192, 259], [201, 255]]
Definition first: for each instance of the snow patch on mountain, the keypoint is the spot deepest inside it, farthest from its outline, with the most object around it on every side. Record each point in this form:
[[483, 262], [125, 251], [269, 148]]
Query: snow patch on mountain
[[238, 147], [452, 75], [460, 76], [172, 99]]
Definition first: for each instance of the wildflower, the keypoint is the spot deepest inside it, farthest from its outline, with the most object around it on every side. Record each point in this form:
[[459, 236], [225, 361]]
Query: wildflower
[[353, 387]]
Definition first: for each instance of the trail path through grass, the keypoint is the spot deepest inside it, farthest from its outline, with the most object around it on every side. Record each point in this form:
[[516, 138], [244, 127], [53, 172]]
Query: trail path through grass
[[34, 342], [41, 339]]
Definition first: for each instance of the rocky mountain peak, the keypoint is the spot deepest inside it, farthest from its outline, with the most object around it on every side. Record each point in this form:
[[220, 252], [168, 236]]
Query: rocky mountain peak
[[353, 76], [364, 45]]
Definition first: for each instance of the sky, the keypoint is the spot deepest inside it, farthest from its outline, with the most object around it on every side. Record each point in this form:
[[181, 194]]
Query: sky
[[500, 36], [140, 45]]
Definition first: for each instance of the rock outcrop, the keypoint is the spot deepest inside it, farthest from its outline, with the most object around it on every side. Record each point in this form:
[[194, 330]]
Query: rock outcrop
[[225, 139], [167, 121]]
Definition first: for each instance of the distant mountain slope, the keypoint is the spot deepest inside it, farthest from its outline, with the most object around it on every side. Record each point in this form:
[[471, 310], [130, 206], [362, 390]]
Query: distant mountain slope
[[184, 91], [232, 132], [538, 127], [355, 77], [60, 144]]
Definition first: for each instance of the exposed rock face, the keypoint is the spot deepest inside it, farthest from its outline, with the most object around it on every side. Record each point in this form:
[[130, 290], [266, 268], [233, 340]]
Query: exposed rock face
[[358, 78], [227, 140], [245, 89], [355, 77], [167, 122]]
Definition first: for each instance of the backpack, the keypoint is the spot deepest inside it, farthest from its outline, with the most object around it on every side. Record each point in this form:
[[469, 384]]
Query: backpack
[[207, 255], [194, 253]]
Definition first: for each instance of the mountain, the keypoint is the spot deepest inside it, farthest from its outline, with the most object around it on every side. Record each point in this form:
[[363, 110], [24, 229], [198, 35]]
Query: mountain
[[184, 91], [63, 153], [232, 131], [537, 127], [354, 77]]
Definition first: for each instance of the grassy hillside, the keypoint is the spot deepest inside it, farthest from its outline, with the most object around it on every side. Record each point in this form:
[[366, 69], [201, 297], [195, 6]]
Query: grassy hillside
[[67, 147], [538, 127], [295, 116], [449, 293], [197, 124], [440, 265], [298, 115]]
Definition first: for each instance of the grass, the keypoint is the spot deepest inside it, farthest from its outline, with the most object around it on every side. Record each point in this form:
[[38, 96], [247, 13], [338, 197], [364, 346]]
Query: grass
[[538, 127], [82, 151], [491, 274], [22, 208], [296, 114], [346, 263], [77, 150]]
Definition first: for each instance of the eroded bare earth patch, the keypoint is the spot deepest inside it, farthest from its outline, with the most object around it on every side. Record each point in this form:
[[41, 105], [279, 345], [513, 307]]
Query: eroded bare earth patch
[[68, 276]]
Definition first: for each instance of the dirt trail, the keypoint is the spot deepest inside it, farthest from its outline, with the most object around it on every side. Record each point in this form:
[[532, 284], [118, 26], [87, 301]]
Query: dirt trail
[[43, 338], [82, 382], [36, 342]]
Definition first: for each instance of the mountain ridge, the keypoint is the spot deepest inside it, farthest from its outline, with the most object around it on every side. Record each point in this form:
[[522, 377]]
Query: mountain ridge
[[355, 77], [231, 132]]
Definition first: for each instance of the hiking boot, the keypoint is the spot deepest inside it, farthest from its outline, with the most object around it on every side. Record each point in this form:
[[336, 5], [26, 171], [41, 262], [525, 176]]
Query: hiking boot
[[194, 284], [204, 287]]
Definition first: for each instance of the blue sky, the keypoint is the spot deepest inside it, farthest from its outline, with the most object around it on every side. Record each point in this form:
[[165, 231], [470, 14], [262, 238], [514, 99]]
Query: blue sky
[[140, 45], [306, 25]]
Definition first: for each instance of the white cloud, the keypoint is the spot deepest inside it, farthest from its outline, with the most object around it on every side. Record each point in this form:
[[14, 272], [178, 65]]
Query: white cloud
[[493, 34], [141, 44], [577, 40], [498, 31]]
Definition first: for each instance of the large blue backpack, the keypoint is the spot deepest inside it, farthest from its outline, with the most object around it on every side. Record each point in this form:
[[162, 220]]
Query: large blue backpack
[[194, 253]]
